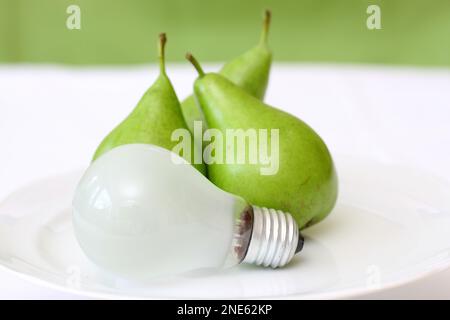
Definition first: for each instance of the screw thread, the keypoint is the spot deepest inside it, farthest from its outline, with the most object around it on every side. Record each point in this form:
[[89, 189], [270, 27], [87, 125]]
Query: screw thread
[[275, 238]]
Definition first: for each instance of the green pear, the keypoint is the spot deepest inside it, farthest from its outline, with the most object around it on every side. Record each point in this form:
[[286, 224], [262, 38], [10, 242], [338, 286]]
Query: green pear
[[250, 71], [304, 181], [154, 119]]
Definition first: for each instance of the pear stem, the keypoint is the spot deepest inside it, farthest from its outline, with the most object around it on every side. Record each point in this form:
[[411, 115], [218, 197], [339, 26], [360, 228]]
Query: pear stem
[[195, 63], [266, 27], [161, 52]]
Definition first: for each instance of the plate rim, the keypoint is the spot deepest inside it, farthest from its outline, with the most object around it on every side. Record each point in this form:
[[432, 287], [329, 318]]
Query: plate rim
[[348, 293]]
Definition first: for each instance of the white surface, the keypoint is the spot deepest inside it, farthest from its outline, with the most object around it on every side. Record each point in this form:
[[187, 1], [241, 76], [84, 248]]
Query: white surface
[[51, 120], [368, 243]]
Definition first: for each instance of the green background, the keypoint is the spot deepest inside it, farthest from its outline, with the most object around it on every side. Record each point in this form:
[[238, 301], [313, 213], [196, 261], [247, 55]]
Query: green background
[[414, 32]]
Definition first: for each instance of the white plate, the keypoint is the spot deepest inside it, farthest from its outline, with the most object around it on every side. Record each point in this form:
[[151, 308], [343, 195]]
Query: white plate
[[390, 227]]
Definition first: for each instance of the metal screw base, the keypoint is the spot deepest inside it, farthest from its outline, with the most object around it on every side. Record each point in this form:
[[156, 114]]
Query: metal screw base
[[275, 238]]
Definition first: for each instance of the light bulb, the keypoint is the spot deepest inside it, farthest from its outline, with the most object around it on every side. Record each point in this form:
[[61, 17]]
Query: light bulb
[[139, 214]]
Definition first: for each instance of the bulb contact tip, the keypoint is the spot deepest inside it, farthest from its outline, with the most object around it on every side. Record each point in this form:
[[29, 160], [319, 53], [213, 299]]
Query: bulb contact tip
[[300, 243]]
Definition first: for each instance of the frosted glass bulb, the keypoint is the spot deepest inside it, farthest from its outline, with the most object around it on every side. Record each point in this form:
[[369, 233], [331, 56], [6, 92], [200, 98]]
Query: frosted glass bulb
[[137, 213]]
